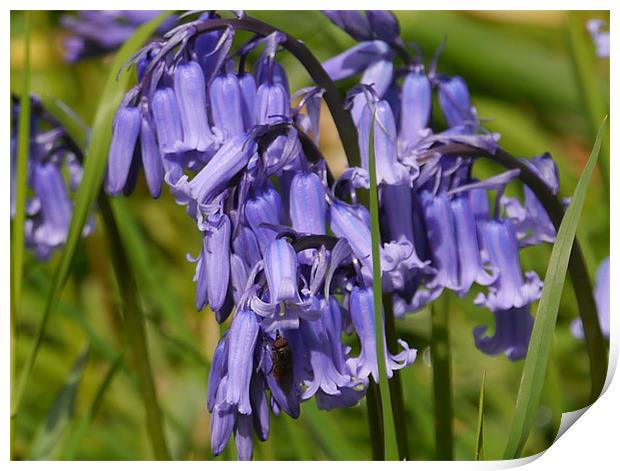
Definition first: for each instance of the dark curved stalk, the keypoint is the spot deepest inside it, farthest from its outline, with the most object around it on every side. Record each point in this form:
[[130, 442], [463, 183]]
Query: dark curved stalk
[[597, 352], [395, 384], [375, 421], [441, 359], [312, 153], [344, 123]]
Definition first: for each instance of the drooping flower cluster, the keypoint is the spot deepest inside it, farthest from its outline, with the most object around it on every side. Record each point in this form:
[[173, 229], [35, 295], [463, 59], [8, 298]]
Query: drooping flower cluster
[[97, 32], [432, 208], [239, 152], [53, 173]]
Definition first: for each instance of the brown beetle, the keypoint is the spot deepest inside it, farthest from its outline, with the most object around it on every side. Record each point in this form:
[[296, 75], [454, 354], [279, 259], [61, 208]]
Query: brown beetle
[[282, 359]]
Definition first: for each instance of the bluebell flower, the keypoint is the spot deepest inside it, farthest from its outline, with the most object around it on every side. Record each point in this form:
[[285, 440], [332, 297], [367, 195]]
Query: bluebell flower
[[307, 203], [246, 246], [455, 102], [511, 288], [216, 259], [96, 32], [384, 24], [54, 172], [283, 304], [127, 126], [368, 25], [513, 328], [272, 103], [261, 211], [227, 105], [379, 115], [281, 271], [230, 140], [326, 375], [232, 157], [247, 87], [361, 306], [242, 340], [601, 297], [51, 228], [600, 38], [167, 121], [190, 92], [416, 107], [373, 59], [531, 222], [353, 22], [151, 157]]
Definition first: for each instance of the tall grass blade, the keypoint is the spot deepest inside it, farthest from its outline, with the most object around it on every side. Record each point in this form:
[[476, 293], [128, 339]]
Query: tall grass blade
[[142, 263], [132, 236], [535, 367], [17, 229], [94, 170], [442, 378], [78, 432], [389, 428], [479, 455], [135, 332], [49, 436]]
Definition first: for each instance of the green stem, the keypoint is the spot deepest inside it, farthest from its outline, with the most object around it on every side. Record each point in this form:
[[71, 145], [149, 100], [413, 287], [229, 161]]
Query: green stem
[[135, 330], [389, 429], [584, 65], [17, 234], [94, 171], [375, 422], [396, 387], [442, 378]]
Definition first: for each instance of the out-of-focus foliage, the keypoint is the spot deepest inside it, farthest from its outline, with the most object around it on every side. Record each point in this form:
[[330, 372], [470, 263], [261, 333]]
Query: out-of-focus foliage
[[519, 69]]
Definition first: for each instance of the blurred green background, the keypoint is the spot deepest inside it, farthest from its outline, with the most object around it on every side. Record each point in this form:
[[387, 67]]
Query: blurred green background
[[520, 70]]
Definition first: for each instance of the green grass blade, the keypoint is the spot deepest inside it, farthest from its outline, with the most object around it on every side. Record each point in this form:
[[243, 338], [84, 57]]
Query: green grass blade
[[584, 64], [23, 148], [389, 429], [535, 366], [442, 378], [142, 263], [135, 332], [50, 435], [77, 434], [17, 229], [94, 170], [132, 237], [479, 455]]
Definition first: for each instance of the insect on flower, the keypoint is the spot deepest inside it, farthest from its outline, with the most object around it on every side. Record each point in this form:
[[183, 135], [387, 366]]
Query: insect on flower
[[282, 360]]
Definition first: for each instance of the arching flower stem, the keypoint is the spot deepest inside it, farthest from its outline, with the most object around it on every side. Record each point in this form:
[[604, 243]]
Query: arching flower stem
[[344, 123], [582, 285]]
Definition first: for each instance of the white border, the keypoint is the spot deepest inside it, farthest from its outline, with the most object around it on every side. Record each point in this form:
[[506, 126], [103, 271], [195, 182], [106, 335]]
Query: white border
[[591, 444]]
